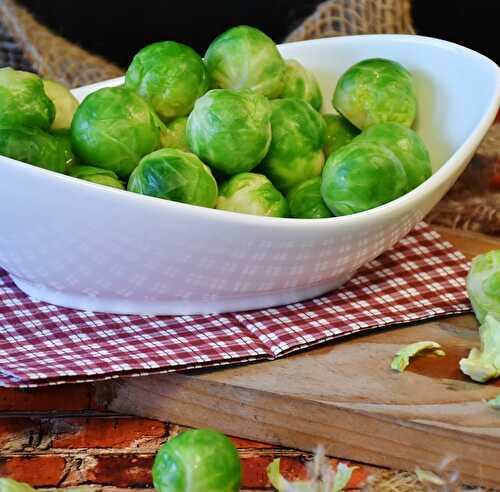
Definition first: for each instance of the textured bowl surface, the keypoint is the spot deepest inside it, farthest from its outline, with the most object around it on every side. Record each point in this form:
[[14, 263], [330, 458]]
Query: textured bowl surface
[[82, 245]]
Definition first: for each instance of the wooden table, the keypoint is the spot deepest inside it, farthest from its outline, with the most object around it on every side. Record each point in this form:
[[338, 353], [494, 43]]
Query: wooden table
[[62, 436]]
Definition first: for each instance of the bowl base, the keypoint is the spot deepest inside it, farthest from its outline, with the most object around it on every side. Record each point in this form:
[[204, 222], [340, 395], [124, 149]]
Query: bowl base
[[170, 306]]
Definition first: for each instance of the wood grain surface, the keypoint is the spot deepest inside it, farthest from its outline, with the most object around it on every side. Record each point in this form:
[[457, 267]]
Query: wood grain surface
[[345, 396]]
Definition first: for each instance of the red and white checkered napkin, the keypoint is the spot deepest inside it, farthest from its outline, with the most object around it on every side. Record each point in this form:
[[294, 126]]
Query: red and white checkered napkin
[[423, 276]]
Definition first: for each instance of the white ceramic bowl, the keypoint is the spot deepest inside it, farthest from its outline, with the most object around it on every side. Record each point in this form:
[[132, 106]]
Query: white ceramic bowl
[[81, 245]]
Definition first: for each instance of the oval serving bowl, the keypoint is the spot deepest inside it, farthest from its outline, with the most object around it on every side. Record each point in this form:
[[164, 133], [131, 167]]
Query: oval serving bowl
[[82, 245]]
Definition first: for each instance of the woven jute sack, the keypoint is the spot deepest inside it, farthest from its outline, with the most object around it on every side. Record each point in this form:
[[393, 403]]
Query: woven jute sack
[[50, 55]]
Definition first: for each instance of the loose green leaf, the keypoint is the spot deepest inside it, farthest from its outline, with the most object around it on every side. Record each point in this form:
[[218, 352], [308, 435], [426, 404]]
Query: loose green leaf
[[402, 358], [494, 403], [483, 284], [425, 476], [484, 364], [10, 485]]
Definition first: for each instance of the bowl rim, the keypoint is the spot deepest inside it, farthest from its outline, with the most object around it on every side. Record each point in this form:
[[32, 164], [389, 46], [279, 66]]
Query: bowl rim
[[427, 187]]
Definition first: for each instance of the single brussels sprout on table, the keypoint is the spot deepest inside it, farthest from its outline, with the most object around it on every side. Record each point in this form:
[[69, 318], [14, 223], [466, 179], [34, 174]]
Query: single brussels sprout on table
[[170, 76], [245, 58], [483, 285], [339, 132], [230, 130], [173, 134], [64, 102], [36, 147], [376, 90], [113, 128], [175, 175], [201, 460], [300, 83], [96, 175], [360, 176], [305, 201], [298, 136], [408, 147], [254, 194], [23, 101]]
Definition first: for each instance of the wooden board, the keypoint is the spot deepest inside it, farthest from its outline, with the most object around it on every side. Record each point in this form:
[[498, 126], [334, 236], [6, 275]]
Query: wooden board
[[344, 396]]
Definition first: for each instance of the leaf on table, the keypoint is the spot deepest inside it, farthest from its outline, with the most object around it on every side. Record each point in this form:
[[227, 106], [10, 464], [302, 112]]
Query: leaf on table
[[483, 364], [494, 403], [402, 358], [425, 476]]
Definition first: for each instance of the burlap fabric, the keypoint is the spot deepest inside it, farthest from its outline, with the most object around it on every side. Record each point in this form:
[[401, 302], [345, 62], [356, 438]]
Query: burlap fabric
[[472, 204]]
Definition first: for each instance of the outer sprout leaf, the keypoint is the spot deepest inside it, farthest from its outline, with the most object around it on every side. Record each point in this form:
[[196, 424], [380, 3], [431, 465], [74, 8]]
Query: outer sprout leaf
[[425, 476], [483, 284], [64, 102], [494, 403], [484, 364], [402, 358], [300, 83], [96, 175]]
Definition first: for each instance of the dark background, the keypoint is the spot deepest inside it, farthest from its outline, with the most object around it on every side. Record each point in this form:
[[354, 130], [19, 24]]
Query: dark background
[[118, 29]]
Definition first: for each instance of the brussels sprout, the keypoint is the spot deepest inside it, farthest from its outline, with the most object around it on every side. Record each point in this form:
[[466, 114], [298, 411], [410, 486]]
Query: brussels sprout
[[374, 91], [10, 485], [254, 194], [360, 176], [96, 175], [64, 102], [173, 134], [483, 284], [245, 58], [298, 135], [174, 175], [113, 128], [339, 132], [36, 147], [170, 75], [23, 101], [201, 460], [64, 137], [483, 364], [300, 83], [408, 147], [230, 130], [305, 201]]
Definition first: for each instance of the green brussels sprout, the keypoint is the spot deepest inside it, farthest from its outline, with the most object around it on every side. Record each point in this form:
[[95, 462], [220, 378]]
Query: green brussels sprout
[[10, 485], [300, 83], [305, 201], [36, 147], [23, 101], [173, 134], [374, 91], [408, 147], [170, 76], [175, 175], [245, 58], [113, 128], [201, 460], [230, 130], [360, 176], [339, 132], [64, 137], [96, 175], [254, 194], [483, 285], [64, 102], [298, 136]]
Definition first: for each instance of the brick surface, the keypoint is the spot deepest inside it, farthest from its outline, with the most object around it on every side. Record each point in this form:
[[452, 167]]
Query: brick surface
[[38, 471], [121, 470], [70, 397], [107, 432], [18, 434]]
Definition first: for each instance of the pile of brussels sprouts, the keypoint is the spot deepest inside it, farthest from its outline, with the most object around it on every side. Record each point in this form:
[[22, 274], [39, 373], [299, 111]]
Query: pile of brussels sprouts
[[239, 130]]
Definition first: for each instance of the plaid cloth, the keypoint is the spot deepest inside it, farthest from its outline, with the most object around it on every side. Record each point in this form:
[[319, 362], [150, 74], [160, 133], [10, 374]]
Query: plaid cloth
[[421, 277]]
